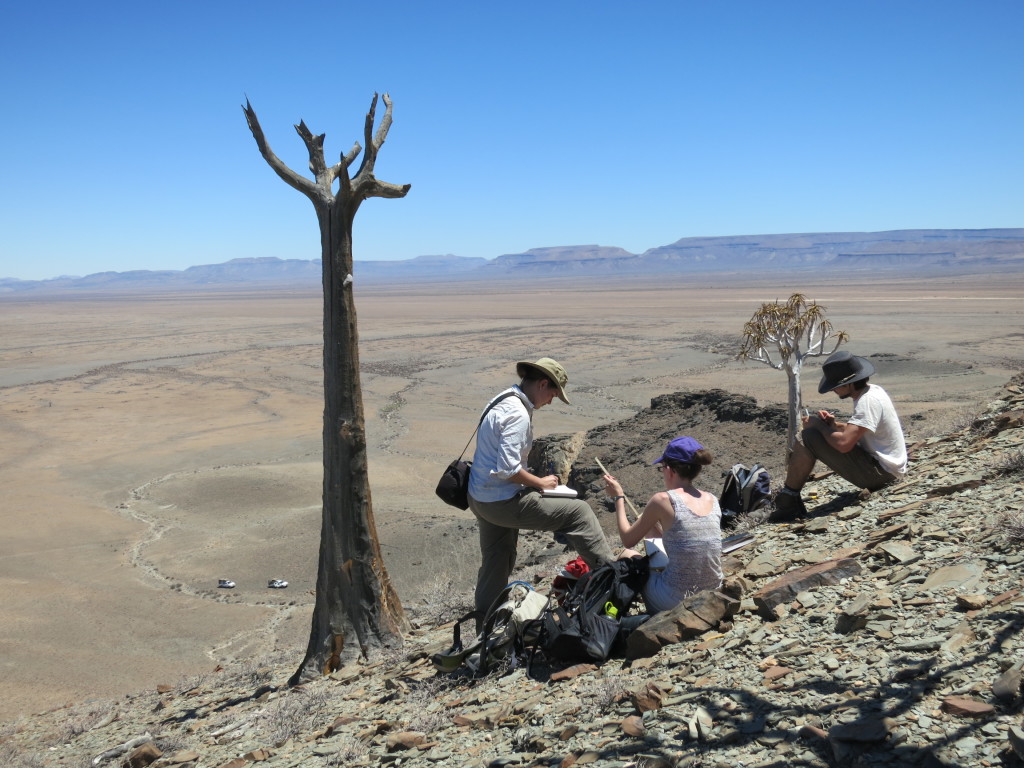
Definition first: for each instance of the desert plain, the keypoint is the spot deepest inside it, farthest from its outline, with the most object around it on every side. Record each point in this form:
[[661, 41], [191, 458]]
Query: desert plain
[[153, 444]]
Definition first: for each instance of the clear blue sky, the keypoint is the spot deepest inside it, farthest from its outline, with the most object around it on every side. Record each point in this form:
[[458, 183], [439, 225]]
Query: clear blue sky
[[519, 125]]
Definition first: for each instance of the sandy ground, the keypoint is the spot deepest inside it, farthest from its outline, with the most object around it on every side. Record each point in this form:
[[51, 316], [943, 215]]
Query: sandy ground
[[151, 445]]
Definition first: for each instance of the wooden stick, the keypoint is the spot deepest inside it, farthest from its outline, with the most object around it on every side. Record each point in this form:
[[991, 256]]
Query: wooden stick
[[628, 502]]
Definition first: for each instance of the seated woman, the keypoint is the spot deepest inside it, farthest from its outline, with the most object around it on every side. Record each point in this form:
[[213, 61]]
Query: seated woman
[[688, 520]]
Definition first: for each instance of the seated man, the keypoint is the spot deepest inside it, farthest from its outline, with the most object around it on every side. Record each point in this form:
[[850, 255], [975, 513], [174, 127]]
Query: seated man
[[868, 450], [506, 496]]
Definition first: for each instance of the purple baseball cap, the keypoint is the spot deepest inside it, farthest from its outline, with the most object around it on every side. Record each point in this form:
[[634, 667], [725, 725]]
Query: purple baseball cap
[[680, 449]]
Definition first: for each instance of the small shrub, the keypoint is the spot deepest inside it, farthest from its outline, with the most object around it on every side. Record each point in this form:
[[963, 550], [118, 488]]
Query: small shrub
[[444, 600], [350, 750], [749, 521], [943, 423], [423, 696], [12, 757], [249, 673], [599, 696], [299, 711], [1011, 464], [83, 718], [170, 743], [965, 420], [1010, 524], [190, 683], [390, 656]]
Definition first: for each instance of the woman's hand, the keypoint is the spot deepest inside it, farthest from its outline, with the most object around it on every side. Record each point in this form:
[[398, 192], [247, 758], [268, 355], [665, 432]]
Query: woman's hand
[[612, 487]]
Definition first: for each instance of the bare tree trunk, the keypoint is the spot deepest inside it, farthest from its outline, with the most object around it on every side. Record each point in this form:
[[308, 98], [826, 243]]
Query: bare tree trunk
[[795, 404], [356, 607]]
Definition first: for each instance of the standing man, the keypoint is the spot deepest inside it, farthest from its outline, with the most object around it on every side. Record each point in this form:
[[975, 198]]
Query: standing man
[[868, 450], [506, 495]]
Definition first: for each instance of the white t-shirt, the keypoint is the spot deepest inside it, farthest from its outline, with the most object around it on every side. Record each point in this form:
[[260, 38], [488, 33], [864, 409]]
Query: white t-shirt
[[884, 437]]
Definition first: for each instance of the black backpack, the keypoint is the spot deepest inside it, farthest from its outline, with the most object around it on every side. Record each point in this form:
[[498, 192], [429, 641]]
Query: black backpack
[[744, 491], [592, 617]]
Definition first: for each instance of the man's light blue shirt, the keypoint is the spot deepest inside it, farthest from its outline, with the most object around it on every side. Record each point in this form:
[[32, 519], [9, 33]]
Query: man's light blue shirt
[[502, 447]]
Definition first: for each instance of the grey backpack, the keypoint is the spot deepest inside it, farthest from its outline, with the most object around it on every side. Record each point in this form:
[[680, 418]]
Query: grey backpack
[[744, 491]]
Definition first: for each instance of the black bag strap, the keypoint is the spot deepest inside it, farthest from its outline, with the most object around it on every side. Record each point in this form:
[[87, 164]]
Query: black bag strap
[[491, 619], [493, 403], [457, 631]]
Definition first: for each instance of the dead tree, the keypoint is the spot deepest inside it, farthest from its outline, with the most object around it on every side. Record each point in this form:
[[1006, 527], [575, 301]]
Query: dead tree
[[796, 330], [356, 607]]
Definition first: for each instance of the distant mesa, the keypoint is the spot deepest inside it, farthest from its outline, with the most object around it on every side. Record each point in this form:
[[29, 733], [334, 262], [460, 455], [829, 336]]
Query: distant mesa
[[938, 251]]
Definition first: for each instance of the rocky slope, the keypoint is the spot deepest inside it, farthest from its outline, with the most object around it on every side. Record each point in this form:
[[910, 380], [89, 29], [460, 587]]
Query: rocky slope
[[904, 648]]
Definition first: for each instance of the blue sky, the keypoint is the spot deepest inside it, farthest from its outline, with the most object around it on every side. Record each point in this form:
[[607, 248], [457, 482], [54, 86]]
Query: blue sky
[[519, 125]]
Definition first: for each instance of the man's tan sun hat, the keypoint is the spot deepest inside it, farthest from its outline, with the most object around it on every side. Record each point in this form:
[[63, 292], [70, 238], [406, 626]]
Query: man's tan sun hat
[[550, 368]]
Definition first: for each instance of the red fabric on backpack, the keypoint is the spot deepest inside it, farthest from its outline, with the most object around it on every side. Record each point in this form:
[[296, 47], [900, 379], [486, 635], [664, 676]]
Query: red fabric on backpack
[[574, 569]]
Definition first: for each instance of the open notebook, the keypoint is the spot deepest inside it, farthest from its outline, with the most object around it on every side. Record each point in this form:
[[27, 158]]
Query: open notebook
[[656, 548], [562, 491], [656, 552]]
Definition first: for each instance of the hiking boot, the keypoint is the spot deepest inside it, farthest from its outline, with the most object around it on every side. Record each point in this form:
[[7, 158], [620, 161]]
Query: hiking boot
[[788, 506], [277, 584]]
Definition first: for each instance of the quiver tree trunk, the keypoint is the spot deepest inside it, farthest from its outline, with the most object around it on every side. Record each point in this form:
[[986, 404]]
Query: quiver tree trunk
[[356, 607], [795, 403]]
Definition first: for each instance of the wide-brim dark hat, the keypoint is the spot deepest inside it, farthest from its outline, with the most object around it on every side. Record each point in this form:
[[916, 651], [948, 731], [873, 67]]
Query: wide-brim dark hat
[[552, 369], [843, 368]]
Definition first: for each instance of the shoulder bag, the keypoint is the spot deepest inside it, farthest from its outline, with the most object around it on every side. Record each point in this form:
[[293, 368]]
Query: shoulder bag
[[453, 487]]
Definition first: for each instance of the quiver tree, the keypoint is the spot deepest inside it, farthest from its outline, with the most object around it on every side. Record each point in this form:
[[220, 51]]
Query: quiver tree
[[783, 336], [356, 607]]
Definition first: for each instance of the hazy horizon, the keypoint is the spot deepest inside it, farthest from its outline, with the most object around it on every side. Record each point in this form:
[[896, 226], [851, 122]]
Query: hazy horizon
[[534, 248]]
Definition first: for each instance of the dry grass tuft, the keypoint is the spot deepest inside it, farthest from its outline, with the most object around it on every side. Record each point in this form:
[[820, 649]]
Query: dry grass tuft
[[1010, 524], [599, 696], [253, 673], [1011, 464], [432, 715], [390, 656], [12, 757], [944, 423], [350, 750], [83, 718], [747, 522], [444, 601], [300, 710]]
